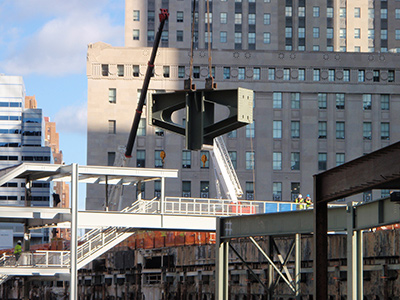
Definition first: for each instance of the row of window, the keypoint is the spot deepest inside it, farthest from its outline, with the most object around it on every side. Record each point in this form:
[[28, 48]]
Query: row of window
[[10, 104], [295, 160], [286, 74], [339, 99], [10, 118], [34, 184], [34, 198]]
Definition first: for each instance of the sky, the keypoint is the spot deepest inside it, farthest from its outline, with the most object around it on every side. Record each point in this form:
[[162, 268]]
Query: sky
[[45, 42]]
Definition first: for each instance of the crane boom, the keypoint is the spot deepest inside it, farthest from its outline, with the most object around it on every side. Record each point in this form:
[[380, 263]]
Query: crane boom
[[150, 66]]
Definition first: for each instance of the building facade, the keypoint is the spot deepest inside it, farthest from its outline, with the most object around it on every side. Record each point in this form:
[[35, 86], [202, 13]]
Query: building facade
[[313, 110], [21, 140]]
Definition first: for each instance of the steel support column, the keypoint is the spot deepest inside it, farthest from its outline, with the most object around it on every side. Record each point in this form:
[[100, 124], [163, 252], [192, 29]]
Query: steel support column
[[354, 257], [297, 266], [320, 249], [222, 265], [74, 232]]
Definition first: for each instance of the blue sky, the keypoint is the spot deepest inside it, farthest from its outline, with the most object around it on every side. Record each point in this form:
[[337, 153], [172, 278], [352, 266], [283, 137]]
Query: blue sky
[[45, 41]]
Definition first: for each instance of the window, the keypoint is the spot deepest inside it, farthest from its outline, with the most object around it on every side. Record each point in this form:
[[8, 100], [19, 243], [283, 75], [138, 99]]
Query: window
[[238, 37], [223, 17], [391, 76], [316, 11], [277, 191], [120, 70], [357, 33], [112, 95], [342, 33], [179, 35], [316, 74], [340, 130], [339, 159], [140, 158], [250, 159], [136, 15], [302, 75], [250, 130], [252, 19], [315, 48], [241, 73], [142, 127], [227, 72], [222, 36], [371, 13], [179, 16], [286, 74], [329, 12], [267, 38], [346, 75], [104, 70], [150, 16], [186, 188], [196, 72], [397, 13], [367, 101], [295, 100], [249, 190], [277, 161], [159, 131], [397, 34], [295, 160], [267, 19], [204, 189], [367, 130], [164, 36], [166, 71], [277, 129], [271, 74], [322, 131], [322, 100], [288, 11], [159, 156], [252, 38], [340, 101], [206, 39], [315, 32], [361, 75], [256, 73], [135, 72], [186, 159], [385, 102], [238, 18], [205, 159], [322, 161], [181, 72], [277, 100], [295, 129], [135, 34], [157, 188], [331, 75], [383, 13], [329, 33], [301, 11], [302, 32], [288, 32], [110, 158], [385, 193], [294, 189], [342, 12], [232, 134], [233, 157], [384, 34], [357, 13], [111, 126], [208, 16], [385, 131]]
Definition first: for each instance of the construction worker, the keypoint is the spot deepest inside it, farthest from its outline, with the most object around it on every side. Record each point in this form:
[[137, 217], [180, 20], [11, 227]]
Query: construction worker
[[300, 200], [17, 251], [308, 201]]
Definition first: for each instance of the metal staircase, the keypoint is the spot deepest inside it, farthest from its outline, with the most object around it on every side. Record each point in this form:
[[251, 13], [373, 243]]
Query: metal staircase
[[224, 168]]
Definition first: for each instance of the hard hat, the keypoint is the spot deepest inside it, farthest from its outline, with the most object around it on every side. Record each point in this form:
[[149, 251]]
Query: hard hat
[[19, 242], [300, 196], [308, 195]]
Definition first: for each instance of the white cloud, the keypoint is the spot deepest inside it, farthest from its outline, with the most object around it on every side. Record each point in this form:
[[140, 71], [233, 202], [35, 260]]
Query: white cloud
[[72, 119], [58, 47]]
